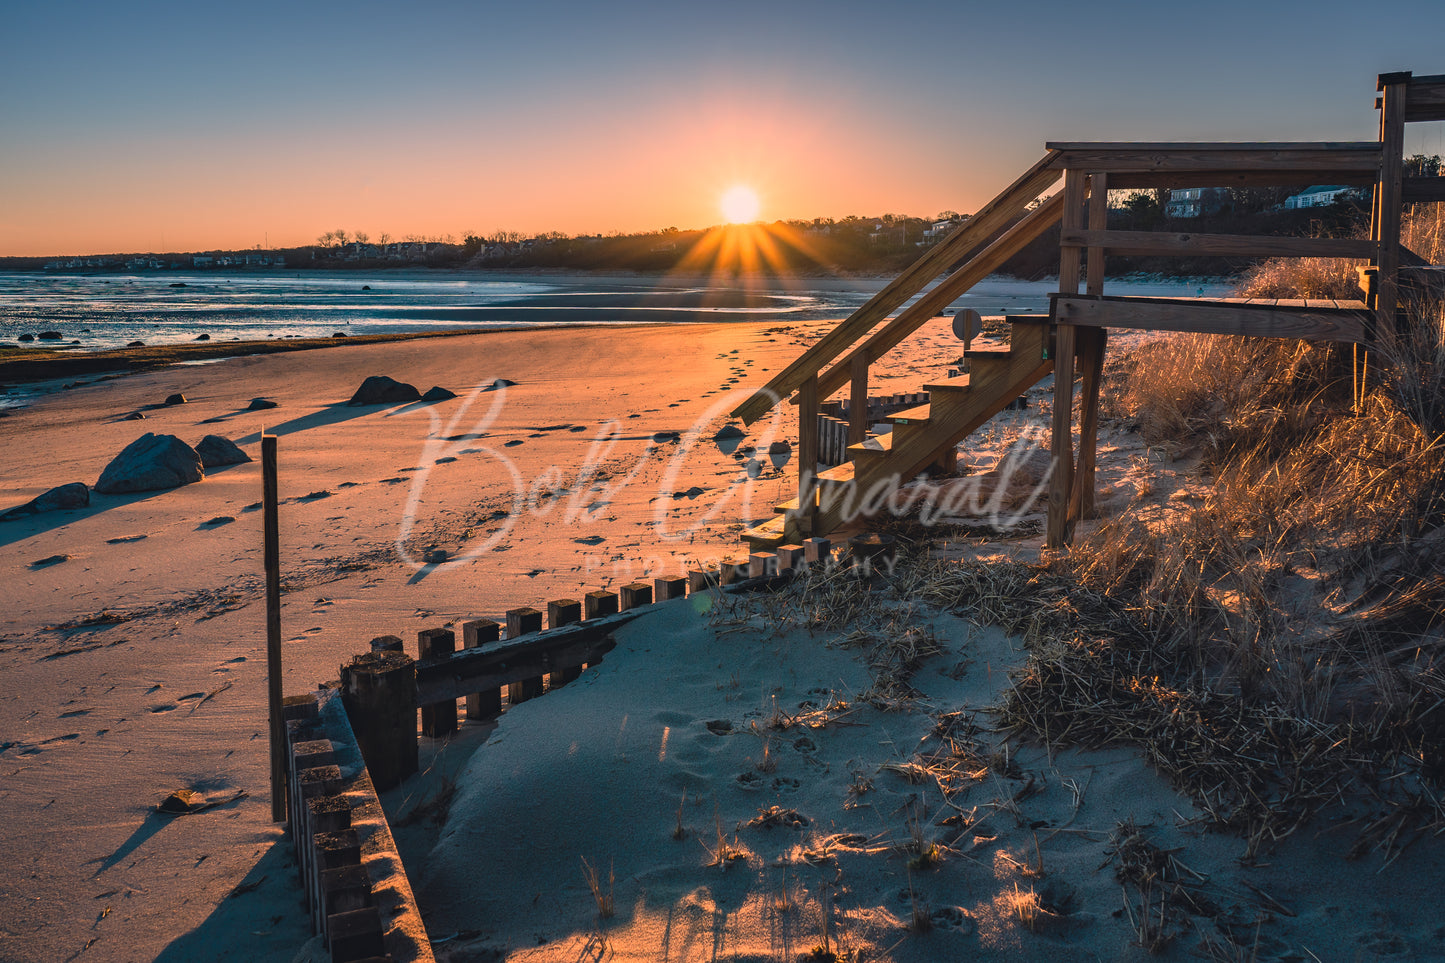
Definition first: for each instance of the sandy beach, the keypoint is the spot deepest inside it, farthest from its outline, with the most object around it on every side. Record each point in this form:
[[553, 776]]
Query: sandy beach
[[733, 763]]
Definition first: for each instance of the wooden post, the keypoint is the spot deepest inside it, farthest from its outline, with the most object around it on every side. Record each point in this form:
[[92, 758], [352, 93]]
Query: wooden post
[[270, 524], [807, 451], [1093, 342], [599, 603], [1385, 228], [817, 551], [635, 595], [379, 692], [441, 718], [524, 621], [1062, 446], [669, 588], [789, 556], [858, 400], [702, 579], [562, 612], [482, 705]]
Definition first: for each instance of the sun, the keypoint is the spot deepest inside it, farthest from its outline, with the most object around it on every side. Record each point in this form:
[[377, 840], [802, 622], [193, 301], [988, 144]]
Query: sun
[[739, 204]]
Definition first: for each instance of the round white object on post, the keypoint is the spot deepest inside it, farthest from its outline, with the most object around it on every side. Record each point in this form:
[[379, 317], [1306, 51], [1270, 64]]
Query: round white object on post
[[967, 324]]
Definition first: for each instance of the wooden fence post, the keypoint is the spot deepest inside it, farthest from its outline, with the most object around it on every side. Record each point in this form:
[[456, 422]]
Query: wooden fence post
[[523, 621], [441, 718], [379, 692], [270, 525], [482, 705], [562, 612]]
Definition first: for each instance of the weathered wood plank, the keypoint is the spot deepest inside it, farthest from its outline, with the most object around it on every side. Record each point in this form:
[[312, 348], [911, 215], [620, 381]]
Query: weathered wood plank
[[1218, 245], [1098, 221], [515, 660], [1061, 475], [1415, 190], [858, 400], [1091, 360], [1425, 100], [807, 447], [1132, 180], [1124, 157], [1386, 227], [973, 233], [1215, 317]]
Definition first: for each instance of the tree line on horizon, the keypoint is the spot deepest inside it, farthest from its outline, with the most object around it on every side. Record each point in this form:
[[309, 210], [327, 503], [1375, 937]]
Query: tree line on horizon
[[848, 245]]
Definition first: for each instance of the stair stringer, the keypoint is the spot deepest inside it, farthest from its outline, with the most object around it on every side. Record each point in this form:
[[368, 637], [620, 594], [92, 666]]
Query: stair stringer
[[950, 421]]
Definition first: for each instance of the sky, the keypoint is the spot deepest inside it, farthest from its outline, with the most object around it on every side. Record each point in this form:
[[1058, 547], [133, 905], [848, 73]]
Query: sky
[[150, 126]]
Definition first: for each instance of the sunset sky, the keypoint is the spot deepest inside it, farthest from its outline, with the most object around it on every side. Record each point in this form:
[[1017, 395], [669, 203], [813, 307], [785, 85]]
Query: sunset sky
[[171, 127]]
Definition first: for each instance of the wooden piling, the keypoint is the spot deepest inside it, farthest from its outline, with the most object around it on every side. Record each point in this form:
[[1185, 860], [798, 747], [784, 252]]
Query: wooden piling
[[700, 580], [669, 588], [599, 603], [790, 556], [439, 719], [524, 621], [635, 595], [562, 612], [482, 705], [378, 690], [817, 551]]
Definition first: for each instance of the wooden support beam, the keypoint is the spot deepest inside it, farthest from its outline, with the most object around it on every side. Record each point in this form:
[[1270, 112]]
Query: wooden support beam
[[1176, 156], [1147, 180], [1092, 342], [1098, 222], [1417, 190], [1062, 445], [1145, 243], [858, 400], [1425, 99], [669, 588], [807, 449], [514, 660], [1388, 201], [599, 604], [989, 219], [1216, 317]]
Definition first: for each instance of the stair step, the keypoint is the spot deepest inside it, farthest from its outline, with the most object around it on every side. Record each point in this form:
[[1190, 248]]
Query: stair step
[[769, 534], [782, 508], [838, 475], [912, 416], [988, 354], [1027, 318], [876, 447], [957, 387]]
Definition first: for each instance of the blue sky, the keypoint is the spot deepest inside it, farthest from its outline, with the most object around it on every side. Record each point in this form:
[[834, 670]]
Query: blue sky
[[150, 126]]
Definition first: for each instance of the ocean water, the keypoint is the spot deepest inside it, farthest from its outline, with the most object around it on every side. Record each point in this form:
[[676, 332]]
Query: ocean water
[[94, 312], [112, 310]]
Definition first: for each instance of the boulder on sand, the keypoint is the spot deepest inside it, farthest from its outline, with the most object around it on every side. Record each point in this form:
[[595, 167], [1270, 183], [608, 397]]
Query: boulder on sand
[[74, 495], [175, 399], [438, 393], [381, 390], [217, 452], [151, 463], [260, 404]]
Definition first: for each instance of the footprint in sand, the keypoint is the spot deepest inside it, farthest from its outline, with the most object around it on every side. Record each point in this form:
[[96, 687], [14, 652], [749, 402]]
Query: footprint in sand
[[218, 520], [164, 707], [786, 784], [49, 561], [750, 781], [75, 712], [443, 461], [121, 540], [513, 443]]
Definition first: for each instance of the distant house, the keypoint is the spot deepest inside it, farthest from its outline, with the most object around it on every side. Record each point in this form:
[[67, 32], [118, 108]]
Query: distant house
[[1320, 196], [939, 230], [202, 260], [1197, 201]]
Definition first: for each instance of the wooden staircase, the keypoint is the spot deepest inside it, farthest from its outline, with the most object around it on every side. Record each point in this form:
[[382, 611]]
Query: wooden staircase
[[920, 437], [1076, 326]]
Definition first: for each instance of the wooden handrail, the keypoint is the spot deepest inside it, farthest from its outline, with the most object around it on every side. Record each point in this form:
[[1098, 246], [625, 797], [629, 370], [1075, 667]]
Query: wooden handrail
[[1218, 245], [974, 232], [987, 261]]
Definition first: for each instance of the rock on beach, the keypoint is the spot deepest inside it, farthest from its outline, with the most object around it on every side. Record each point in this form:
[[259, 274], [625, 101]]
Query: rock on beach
[[217, 452], [73, 495], [381, 390], [151, 463]]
